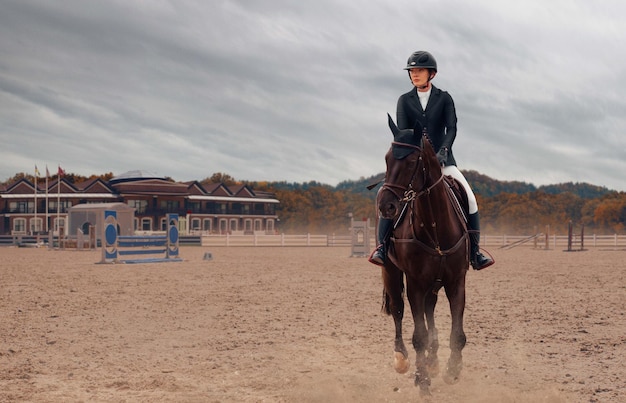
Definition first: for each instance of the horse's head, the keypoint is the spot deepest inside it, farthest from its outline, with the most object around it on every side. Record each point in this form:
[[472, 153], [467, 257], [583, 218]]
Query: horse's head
[[410, 160]]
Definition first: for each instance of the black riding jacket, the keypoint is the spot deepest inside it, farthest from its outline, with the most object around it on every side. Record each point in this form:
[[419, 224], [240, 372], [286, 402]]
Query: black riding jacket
[[440, 114]]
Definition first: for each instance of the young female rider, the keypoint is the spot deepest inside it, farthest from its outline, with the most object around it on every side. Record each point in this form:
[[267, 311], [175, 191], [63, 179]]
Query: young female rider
[[438, 107]]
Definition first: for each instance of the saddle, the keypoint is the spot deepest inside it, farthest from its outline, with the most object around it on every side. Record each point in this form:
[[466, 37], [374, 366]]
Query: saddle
[[458, 197]]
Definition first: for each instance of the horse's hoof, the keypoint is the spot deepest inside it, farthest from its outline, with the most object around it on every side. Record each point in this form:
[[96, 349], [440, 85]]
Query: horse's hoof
[[424, 384], [453, 374], [400, 363], [450, 380], [433, 368]]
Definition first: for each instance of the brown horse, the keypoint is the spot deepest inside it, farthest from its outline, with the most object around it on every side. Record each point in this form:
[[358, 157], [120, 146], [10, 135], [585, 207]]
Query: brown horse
[[428, 247]]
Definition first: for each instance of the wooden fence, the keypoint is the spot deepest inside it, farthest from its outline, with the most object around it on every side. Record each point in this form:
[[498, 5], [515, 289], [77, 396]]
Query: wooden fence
[[558, 242], [277, 240], [537, 241]]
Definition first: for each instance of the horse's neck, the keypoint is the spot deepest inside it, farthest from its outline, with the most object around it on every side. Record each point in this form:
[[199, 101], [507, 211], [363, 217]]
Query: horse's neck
[[434, 207]]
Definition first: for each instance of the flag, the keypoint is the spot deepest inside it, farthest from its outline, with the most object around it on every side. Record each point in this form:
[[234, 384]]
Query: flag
[[47, 172], [61, 171], [37, 174]]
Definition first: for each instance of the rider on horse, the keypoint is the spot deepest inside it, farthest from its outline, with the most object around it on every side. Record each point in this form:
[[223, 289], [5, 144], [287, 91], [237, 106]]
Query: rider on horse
[[437, 107]]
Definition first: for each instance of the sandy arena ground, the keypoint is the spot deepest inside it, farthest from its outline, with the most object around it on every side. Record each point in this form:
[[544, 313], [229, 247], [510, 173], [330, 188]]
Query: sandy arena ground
[[300, 325]]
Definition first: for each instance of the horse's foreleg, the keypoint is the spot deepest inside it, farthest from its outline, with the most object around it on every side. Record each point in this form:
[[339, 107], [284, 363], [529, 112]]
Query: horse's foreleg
[[420, 340], [457, 335], [394, 305], [432, 360]]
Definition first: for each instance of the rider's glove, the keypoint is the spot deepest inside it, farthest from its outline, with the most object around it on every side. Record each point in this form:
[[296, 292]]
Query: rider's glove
[[442, 156]]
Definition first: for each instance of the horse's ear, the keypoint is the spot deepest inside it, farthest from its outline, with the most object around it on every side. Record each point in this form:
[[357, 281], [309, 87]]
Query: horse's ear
[[392, 126]]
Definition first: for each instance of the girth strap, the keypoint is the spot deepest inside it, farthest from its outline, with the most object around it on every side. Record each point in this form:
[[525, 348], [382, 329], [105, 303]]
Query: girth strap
[[430, 249], [441, 254]]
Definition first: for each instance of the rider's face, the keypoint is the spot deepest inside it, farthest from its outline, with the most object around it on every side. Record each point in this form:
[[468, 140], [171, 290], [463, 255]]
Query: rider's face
[[420, 78]]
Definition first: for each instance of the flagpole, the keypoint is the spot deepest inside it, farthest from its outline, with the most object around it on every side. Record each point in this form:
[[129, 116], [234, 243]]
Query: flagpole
[[59, 202], [35, 222], [47, 175]]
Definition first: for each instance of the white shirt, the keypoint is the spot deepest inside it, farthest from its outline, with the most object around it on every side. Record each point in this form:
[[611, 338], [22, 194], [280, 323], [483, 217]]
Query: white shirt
[[423, 96]]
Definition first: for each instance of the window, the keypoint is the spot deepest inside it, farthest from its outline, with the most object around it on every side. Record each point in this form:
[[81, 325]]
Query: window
[[257, 225], [140, 206], [146, 224], [65, 205], [195, 224], [19, 225], [171, 206], [35, 225], [58, 223], [223, 226], [211, 207], [194, 207], [207, 224], [233, 224], [87, 227], [21, 207]]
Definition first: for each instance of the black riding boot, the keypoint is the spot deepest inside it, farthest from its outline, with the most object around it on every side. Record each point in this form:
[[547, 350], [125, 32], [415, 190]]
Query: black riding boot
[[382, 237], [477, 259]]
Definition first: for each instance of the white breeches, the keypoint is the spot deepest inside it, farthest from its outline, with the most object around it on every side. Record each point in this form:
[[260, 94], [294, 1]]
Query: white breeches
[[454, 172]]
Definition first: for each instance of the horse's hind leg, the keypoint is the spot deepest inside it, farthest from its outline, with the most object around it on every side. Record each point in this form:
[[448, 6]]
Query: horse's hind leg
[[393, 305], [456, 296], [432, 360]]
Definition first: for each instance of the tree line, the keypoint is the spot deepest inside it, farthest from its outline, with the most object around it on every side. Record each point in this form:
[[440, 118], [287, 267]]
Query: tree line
[[514, 208], [506, 207]]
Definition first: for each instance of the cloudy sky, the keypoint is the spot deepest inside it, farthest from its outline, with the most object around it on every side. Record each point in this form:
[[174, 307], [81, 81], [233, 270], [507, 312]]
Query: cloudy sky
[[299, 90]]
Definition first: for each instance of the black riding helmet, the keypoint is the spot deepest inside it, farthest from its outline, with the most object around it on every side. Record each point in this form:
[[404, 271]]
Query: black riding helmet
[[421, 59]]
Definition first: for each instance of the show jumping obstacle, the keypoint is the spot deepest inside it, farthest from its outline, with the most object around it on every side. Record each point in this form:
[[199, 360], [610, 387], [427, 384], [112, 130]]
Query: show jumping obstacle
[[573, 244], [360, 239], [116, 247]]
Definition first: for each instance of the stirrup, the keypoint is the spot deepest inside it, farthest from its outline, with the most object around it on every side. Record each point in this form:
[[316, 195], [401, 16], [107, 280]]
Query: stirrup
[[378, 256]]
